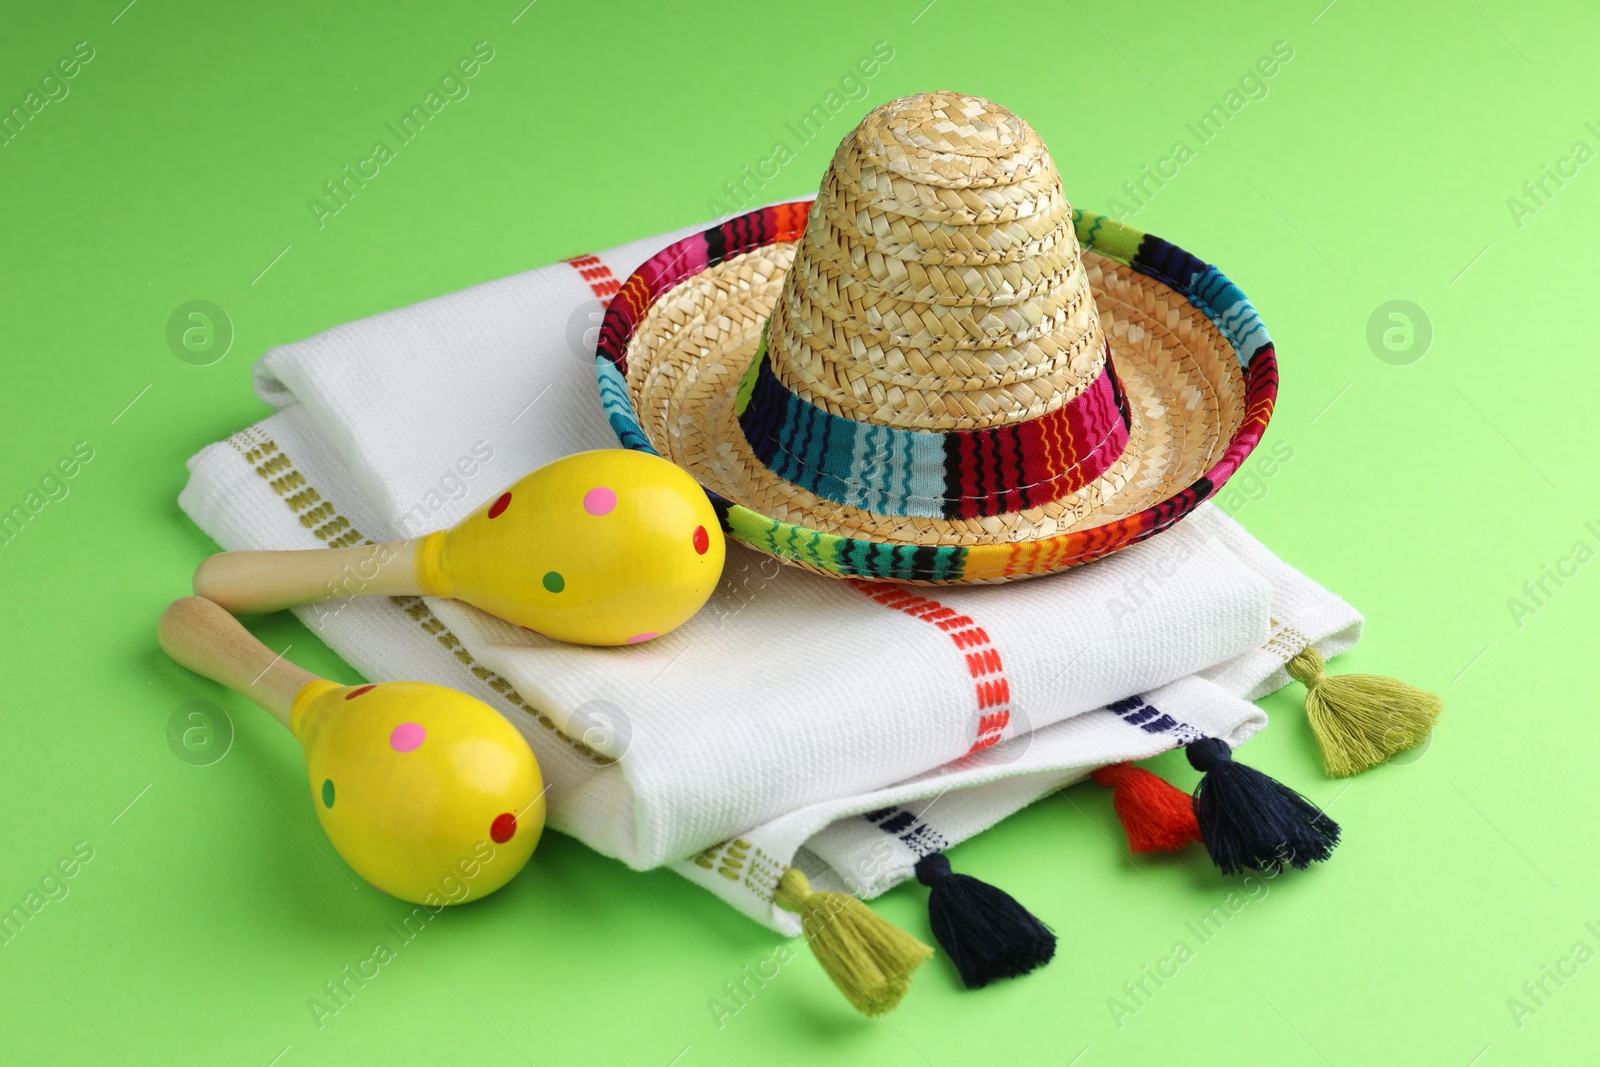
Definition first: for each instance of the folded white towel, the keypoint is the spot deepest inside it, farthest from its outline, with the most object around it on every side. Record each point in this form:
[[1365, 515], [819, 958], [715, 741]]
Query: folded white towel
[[755, 736]]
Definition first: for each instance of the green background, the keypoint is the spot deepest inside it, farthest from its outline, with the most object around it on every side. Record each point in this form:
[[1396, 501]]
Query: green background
[[1426, 486]]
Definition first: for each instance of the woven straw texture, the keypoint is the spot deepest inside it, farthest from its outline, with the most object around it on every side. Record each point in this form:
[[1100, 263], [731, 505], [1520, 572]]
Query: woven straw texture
[[937, 287], [938, 284]]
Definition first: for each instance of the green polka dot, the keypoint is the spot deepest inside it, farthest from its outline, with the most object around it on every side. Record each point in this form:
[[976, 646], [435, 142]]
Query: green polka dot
[[554, 582], [327, 792]]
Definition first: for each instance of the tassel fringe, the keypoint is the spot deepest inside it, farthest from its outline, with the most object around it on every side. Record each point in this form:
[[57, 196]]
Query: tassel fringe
[[1250, 821], [1360, 720], [869, 958], [1156, 815], [987, 934]]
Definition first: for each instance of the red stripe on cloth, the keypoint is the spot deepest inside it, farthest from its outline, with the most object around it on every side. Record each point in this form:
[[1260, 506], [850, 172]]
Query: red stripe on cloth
[[991, 690], [602, 283]]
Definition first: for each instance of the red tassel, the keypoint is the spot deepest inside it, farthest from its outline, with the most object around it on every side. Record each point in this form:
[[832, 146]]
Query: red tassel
[[1158, 816]]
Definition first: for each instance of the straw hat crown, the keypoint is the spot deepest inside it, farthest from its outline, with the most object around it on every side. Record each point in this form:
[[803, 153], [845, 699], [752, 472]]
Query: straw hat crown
[[938, 285]]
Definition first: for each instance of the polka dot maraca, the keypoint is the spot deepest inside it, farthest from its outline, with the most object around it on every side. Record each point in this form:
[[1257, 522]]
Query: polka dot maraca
[[428, 793], [610, 547], [421, 788]]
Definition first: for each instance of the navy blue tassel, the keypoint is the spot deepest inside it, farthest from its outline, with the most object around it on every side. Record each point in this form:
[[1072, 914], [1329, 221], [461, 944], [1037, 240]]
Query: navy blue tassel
[[986, 932], [1251, 822]]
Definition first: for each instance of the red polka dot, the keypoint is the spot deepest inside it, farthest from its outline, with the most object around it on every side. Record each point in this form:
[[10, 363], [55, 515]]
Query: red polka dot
[[702, 540], [504, 825], [357, 692], [499, 505]]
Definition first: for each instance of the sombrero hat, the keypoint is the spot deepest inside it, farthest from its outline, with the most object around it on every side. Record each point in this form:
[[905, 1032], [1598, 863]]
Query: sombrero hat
[[938, 371]]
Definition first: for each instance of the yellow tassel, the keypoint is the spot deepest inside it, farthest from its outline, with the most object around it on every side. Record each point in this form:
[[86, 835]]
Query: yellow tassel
[[868, 957], [1360, 720]]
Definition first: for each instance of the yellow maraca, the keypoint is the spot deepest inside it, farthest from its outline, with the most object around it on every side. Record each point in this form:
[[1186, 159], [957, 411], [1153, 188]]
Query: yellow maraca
[[609, 547], [427, 792]]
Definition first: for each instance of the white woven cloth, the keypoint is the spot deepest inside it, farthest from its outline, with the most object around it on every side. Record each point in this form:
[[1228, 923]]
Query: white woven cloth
[[844, 728]]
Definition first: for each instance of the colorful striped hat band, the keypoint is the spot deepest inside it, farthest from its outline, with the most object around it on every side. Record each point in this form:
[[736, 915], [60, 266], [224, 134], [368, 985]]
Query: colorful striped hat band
[[938, 371], [949, 474]]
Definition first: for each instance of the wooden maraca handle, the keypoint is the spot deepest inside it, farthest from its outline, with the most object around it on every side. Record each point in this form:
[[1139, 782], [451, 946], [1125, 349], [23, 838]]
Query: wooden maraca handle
[[254, 583], [207, 640]]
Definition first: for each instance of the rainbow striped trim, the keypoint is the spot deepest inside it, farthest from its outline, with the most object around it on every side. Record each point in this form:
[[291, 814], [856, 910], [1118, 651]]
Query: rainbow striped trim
[[958, 474], [1207, 288]]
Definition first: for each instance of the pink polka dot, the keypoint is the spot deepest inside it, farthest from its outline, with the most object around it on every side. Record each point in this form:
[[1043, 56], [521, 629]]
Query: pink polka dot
[[646, 636], [407, 736], [599, 500]]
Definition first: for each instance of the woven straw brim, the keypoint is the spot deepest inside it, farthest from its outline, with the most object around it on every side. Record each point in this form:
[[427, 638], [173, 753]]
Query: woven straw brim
[[1195, 413]]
